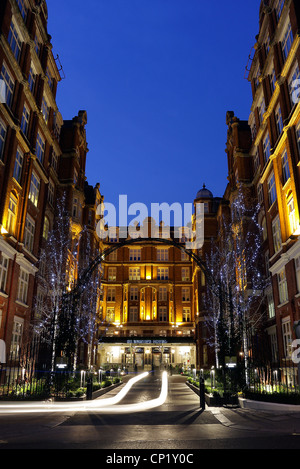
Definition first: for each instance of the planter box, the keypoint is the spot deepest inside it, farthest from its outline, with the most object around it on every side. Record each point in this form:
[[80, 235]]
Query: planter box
[[102, 391], [214, 401]]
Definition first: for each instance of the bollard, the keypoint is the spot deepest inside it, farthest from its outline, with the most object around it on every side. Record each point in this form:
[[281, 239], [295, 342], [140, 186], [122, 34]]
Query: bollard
[[202, 393], [89, 389]]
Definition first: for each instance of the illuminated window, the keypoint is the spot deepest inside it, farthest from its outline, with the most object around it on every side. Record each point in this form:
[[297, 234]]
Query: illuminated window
[[271, 307], [287, 337], [162, 273], [185, 274], [285, 168], [282, 287], [110, 314], [14, 41], [134, 273], [11, 214], [9, 84], [294, 85], [18, 165], [16, 338], [186, 315], [276, 231], [46, 228], [23, 286], [34, 190], [287, 41], [45, 110], [112, 274], [4, 262], [292, 215], [272, 190], [29, 233]]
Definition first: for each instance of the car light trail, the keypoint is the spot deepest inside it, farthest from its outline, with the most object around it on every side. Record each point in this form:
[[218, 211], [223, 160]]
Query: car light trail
[[108, 405]]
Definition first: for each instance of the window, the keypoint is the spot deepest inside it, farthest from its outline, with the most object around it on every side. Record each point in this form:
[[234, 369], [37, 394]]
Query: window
[[45, 110], [111, 294], [184, 256], [297, 137], [262, 110], [256, 161], [162, 314], [18, 166], [292, 215], [14, 41], [266, 148], [279, 121], [29, 233], [31, 79], [297, 269], [162, 294], [54, 160], [185, 274], [134, 273], [162, 273], [51, 192], [162, 254], [282, 286], [16, 338], [23, 286], [40, 148], [285, 168], [76, 209], [110, 314], [113, 256], [11, 214], [37, 45], [2, 138], [34, 189], [287, 338], [112, 274], [276, 231], [23, 8], [274, 345], [293, 85], [271, 307], [9, 84], [186, 315], [134, 293], [134, 254], [264, 229], [272, 190], [49, 78], [46, 228], [273, 80], [25, 120], [4, 261], [133, 314], [186, 294], [260, 193], [287, 41], [279, 6]]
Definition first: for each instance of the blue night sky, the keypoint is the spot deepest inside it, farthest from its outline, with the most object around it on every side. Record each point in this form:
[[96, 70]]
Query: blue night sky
[[156, 78]]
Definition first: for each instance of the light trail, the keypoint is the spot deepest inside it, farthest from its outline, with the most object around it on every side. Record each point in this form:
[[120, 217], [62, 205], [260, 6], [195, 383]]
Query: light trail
[[108, 405]]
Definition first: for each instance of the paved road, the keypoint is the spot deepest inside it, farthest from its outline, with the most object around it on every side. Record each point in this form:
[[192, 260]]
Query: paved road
[[177, 425]]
